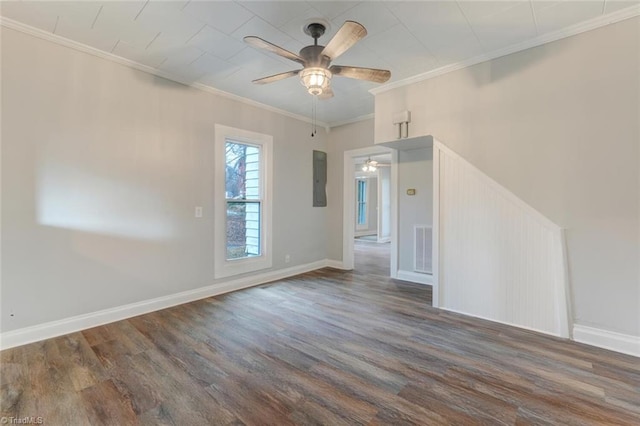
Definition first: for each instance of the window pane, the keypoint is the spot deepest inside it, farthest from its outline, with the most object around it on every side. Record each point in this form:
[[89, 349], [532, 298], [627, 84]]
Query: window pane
[[242, 171], [362, 202], [243, 229]]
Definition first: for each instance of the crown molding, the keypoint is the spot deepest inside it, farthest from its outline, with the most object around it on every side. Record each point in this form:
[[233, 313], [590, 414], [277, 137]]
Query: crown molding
[[592, 24], [62, 41], [353, 120]]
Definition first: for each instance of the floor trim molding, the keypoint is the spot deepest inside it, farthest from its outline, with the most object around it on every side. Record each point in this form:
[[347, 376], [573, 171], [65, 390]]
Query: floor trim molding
[[618, 342], [414, 277], [51, 329], [336, 264]]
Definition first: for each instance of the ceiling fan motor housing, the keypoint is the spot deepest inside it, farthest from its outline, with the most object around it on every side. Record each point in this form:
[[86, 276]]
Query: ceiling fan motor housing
[[313, 57]]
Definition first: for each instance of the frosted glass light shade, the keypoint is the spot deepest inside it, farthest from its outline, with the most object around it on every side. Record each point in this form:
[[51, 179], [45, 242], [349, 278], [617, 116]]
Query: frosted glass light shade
[[316, 80]]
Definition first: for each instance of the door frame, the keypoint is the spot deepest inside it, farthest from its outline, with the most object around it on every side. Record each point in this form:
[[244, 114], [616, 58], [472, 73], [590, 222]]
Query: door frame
[[349, 201]]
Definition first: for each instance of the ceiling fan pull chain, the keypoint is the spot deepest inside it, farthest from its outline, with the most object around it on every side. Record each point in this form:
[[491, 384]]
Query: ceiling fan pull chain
[[313, 116]]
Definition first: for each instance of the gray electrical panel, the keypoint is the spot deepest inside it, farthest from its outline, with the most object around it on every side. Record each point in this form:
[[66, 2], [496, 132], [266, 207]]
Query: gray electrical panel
[[319, 179]]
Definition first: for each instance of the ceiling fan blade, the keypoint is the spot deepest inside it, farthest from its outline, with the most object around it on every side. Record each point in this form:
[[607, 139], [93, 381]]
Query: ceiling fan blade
[[348, 35], [276, 77], [264, 44], [326, 93], [369, 74]]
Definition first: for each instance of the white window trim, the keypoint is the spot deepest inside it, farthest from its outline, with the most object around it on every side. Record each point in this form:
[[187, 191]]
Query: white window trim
[[365, 225], [223, 267]]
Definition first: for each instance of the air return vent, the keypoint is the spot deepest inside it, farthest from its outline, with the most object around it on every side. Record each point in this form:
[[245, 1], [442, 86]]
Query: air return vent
[[422, 249]]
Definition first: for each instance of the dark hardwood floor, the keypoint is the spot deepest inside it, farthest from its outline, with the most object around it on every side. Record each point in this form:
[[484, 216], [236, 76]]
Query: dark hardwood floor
[[327, 347]]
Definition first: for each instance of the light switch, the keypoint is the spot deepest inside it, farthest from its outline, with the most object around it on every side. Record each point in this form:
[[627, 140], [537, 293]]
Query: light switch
[[198, 211]]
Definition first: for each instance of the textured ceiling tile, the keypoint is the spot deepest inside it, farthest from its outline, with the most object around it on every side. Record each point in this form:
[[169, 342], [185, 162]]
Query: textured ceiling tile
[[567, 13], [216, 73], [475, 10], [226, 16], [539, 5], [91, 37], [116, 12], [31, 14], [294, 27], [459, 51], [163, 17], [138, 55], [117, 19], [509, 27], [257, 27], [385, 45], [212, 65], [216, 42], [615, 5], [182, 58], [373, 15], [276, 12], [257, 64], [332, 9], [78, 14], [433, 23]]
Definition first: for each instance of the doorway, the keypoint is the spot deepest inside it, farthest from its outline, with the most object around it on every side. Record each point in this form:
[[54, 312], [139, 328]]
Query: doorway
[[367, 221]]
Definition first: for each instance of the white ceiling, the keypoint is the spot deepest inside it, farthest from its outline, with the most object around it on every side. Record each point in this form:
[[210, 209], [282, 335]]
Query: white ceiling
[[201, 41]]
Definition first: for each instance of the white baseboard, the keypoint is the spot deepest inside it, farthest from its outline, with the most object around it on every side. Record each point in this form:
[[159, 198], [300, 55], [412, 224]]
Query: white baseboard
[[336, 264], [511, 324], [51, 329], [414, 277], [624, 343]]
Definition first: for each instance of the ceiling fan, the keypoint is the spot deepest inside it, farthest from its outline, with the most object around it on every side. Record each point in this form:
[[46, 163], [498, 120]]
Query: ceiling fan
[[372, 165], [316, 73]]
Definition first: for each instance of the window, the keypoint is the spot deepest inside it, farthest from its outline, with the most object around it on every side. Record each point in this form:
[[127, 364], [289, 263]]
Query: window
[[361, 204], [242, 207], [243, 192]]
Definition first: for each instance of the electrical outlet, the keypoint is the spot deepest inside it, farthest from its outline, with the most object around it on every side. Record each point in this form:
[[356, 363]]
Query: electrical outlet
[[198, 211], [287, 258]]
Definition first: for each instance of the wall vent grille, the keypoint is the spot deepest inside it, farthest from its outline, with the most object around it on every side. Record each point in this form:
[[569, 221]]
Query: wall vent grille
[[423, 236]]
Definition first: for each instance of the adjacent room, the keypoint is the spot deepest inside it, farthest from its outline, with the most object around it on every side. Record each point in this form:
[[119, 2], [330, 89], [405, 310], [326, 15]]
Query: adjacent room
[[320, 212]]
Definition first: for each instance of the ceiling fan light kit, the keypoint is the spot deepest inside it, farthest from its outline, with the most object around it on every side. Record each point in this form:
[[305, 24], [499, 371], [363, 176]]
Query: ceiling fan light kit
[[371, 165], [316, 80], [316, 74], [366, 168]]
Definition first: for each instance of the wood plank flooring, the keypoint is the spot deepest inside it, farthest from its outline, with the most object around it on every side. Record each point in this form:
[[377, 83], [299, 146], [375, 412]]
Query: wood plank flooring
[[327, 347]]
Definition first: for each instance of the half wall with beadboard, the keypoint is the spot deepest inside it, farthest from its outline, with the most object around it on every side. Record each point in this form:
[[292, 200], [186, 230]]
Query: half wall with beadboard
[[497, 257]]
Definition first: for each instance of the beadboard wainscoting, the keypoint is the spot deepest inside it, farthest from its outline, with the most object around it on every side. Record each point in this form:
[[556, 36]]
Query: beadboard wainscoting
[[498, 258]]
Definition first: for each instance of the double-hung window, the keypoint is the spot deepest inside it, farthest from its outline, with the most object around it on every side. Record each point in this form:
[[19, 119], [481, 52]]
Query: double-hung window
[[361, 204], [243, 208]]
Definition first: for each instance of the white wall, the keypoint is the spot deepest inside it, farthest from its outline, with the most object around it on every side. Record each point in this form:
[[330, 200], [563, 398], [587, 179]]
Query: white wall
[[102, 166], [557, 125], [415, 171], [341, 139]]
